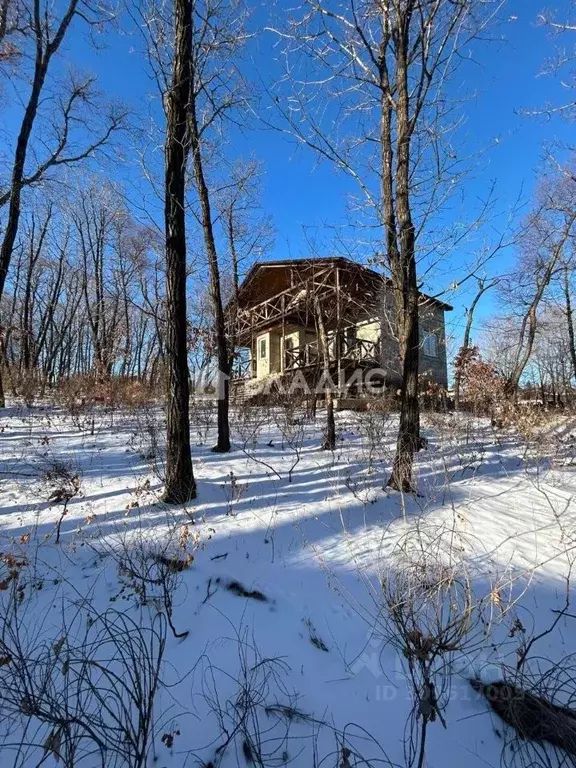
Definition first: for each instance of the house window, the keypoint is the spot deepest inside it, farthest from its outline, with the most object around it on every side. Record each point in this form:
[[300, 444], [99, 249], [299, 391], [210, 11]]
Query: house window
[[430, 344], [350, 339], [351, 335], [263, 350]]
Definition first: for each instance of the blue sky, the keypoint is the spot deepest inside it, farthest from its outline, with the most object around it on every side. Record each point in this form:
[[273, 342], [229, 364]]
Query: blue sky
[[303, 197]]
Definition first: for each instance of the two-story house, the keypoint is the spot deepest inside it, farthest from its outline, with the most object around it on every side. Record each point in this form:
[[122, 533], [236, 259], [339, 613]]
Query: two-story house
[[277, 321]]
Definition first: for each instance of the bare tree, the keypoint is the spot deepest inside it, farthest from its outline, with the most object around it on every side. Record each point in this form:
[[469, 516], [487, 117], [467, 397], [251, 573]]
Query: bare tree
[[483, 285], [248, 234], [75, 125], [566, 288], [180, 482], [216, 94], [81, 296], [368, 95], [549, 232], [560, 64], [94, 217]]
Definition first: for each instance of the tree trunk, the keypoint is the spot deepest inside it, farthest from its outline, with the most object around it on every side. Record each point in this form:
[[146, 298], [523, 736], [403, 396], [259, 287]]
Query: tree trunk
[[401, 245], [329, 441], [223, 353], [409, 441], [42, 62], [569, 319], [180, 483]]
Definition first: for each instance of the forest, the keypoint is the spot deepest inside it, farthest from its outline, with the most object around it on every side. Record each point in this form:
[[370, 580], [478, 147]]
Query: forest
[[194, 572]]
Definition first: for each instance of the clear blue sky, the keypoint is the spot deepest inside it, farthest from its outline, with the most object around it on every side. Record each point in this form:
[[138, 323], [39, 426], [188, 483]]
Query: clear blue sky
[[300, 195]]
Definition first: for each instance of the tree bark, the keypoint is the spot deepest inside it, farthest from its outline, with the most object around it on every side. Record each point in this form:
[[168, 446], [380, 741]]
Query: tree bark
[[401, 244], [329, 441], [180, 483], [569, 320], [223, 352]]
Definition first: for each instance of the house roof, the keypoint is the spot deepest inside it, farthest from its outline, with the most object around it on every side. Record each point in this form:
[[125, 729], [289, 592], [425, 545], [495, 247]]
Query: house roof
[[261, 274]]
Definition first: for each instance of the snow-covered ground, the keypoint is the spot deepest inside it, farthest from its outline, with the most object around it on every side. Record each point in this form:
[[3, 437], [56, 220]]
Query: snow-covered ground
[[279, 588]]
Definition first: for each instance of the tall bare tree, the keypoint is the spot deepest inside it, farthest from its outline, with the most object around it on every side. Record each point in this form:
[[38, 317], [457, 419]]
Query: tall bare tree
[[367, 93], [77, 126], [482, 286], [247, 232], [217, 97], [180, 481], [218, 94], [569, 313], [549, 233]]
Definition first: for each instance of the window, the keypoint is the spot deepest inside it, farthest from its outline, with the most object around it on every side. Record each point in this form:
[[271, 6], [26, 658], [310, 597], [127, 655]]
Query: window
[[351, 335], [350, 339], [263, 351], [430, 344]]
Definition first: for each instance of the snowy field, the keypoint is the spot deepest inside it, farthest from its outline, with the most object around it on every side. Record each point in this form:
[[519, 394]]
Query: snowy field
[[292, 614]]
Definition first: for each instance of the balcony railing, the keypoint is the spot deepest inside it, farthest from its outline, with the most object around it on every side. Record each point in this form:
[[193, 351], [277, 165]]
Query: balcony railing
[[306, 355], [360, 350], [356, 350]]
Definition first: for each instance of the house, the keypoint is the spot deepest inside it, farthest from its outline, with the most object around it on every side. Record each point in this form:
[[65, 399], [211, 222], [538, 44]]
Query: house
[[277, 322]]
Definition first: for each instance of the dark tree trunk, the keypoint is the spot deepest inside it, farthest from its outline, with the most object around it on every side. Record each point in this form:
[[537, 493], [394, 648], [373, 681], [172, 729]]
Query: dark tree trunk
[[180, 482], [569, 320], [401, 247], [2, 396], [223, 352], [44, 53], [329, 440], [409, 441]]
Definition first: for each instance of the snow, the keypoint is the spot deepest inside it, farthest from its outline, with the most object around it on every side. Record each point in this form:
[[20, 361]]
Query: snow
[[319, 549]]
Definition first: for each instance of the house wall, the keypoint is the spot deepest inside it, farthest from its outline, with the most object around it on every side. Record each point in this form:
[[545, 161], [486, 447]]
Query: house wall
[[376, 330], [370, 330], [295, 337], [431, 320], [271, 363], [434, 368]]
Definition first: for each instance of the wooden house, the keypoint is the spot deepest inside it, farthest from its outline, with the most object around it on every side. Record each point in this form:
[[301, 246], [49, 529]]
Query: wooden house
[[277, 328]]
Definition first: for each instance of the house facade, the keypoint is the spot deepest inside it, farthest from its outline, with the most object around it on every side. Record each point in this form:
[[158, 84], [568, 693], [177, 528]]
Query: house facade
[[283, 307]]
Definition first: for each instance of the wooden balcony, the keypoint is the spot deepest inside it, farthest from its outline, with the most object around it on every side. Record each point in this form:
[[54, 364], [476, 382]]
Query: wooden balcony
[[362, 352]]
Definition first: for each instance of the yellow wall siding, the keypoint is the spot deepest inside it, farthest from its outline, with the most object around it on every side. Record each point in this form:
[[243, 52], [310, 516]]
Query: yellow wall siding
[[369, 331], [374, 327]]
